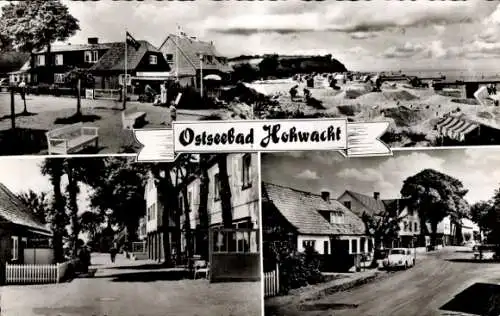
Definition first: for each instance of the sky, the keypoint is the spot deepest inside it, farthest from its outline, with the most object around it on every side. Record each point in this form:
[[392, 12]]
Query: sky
[[23, 174], [477, 168], [374, 35]]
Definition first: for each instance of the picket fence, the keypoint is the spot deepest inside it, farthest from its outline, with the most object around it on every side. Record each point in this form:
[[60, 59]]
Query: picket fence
[[272, 283], [35, 273]]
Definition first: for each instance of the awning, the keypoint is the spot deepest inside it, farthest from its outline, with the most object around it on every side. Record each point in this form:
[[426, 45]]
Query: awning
[[455, 128]]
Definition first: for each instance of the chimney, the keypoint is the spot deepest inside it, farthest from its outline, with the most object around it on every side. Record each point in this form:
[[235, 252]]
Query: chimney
[[325, 195], [93, 40], [376, 195]]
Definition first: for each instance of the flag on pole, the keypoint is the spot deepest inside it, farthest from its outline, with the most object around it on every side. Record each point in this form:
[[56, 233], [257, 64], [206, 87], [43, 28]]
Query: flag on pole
[[132, 42]]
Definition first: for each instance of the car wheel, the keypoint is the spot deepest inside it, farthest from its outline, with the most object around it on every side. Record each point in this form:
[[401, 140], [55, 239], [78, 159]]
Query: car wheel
[[406, 265]]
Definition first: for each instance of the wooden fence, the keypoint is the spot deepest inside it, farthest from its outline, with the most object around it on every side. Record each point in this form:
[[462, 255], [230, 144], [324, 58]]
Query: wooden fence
[[35, 273], [272, 283]]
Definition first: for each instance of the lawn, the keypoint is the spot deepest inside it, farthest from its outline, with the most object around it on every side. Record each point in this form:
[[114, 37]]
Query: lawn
[[47, 113]]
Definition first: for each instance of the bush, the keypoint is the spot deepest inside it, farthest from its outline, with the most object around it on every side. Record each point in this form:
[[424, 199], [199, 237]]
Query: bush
[[300, 269]]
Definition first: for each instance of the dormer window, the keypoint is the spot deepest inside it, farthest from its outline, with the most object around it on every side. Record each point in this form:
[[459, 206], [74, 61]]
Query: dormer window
[[347, 204], [91, 56], [169, 58], [153, 60]]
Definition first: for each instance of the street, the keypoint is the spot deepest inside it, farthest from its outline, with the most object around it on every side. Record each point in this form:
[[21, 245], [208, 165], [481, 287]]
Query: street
[[132, 288], [446, 282]]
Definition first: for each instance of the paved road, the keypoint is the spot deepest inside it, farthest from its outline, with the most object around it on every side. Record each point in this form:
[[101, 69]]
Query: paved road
[[129, 288], [443, 283]]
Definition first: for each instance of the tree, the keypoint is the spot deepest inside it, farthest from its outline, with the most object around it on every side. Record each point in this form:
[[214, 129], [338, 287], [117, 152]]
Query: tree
[[202, 230], [381, 227], [482, 214], [435, 195], [118, 185], [269, 65], [245, 72], [54, 168], [225, 191], [90, 222], [79, 78], [168, 198], [38, 204]]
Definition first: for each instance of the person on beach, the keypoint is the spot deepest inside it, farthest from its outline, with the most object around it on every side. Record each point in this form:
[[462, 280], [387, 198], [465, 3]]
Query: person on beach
[[293, 93]]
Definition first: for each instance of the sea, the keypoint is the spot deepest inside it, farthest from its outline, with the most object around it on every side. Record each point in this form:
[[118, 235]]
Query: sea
[[454, 74]]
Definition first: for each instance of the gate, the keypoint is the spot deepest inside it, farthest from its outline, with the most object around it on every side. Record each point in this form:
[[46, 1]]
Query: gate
[[234, 254]]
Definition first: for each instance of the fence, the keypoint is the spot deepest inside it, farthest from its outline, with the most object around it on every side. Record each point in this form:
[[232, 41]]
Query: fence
[[35, 273], [139, 246], [107, 94], [272, 282]]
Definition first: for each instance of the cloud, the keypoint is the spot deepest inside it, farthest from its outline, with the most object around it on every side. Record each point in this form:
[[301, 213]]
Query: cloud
[[365, 174], [433, 49], [308, 174], [363, 35], [356, 18]]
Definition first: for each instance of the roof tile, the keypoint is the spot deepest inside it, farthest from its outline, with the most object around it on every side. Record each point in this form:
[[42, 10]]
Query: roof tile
[[301, 208]]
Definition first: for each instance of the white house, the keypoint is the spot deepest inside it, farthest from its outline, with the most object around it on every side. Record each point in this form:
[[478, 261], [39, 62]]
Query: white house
[[313, 220]]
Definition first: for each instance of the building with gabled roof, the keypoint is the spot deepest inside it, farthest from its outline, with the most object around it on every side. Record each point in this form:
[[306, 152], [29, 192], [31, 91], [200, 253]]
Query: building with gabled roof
[[19, 229], [183, 53], [106, 61], [307, 219]]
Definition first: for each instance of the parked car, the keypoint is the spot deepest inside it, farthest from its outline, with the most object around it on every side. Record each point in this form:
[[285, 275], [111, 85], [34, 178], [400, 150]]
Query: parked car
[[485, 252], [399, 258]]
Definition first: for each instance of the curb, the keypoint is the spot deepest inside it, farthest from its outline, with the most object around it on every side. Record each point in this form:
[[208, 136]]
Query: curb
[[339, 287]]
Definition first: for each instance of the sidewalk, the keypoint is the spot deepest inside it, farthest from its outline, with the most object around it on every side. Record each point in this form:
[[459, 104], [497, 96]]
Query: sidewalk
[[132, 288], [285, 304]]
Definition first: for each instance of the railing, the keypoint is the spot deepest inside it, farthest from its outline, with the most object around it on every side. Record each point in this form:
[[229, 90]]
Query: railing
[[107, 94], [35, 273], [271, 282]]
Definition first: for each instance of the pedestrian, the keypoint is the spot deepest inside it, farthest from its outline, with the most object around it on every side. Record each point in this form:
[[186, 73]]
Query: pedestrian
[[163, 93], [112, 252], [84, 258], [293, 93], [173, 111]]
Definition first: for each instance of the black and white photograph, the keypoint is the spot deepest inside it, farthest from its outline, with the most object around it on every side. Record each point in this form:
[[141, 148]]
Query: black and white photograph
[[411, 234], [109, 236], [63, 64]]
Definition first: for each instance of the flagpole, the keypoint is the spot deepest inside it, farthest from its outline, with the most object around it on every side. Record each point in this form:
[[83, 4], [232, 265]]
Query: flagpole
[[125, 76], [177, 52]]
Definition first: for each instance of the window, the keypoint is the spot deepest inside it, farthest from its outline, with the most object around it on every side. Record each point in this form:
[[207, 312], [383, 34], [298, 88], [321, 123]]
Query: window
[[410, 226], [40, 60], [153, 60], [325, 247], [190, 199], [209, 59], [405, 226], [370, 245], [246, 171], [309, 244], [153, 211], [24, 242], [59, 59], [216, 187], [347, 204], [91, 56], [416, 226], [354, 246], [362, 244], [15, 247], [149, 213], [169, 57], [58, 78]]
